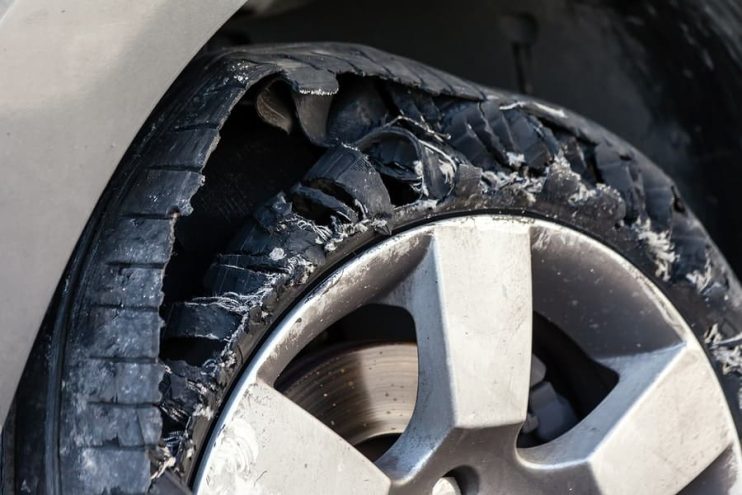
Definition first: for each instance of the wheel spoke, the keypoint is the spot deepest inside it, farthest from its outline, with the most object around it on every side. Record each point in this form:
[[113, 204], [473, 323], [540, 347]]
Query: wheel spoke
[[661, 426], [471, 301], [271, 445]]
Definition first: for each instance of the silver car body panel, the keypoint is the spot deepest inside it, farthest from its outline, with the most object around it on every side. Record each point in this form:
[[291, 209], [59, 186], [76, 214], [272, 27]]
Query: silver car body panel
[[77, 81]]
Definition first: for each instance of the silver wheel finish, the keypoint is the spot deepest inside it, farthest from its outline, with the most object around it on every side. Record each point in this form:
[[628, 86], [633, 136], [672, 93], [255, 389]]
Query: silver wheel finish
[[472, 284]]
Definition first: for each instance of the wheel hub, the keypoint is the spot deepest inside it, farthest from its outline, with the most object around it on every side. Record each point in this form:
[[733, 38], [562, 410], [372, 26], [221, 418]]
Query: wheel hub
[[472, 285]]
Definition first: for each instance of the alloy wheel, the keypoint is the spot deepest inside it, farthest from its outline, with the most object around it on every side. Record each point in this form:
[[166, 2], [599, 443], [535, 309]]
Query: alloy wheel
[[473, 285]]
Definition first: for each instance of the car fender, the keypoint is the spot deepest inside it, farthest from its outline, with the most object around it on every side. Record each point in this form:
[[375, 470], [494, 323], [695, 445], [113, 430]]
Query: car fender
[[77, 81]]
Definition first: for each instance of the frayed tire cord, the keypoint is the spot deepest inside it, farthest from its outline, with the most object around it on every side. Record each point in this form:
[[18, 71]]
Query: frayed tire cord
[[414, 145]]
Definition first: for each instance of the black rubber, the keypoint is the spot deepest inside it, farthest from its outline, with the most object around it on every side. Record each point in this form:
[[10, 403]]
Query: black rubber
[[389, 143]]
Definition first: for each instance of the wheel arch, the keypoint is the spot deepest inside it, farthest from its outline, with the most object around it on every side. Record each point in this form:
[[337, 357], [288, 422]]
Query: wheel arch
[[78, 80]]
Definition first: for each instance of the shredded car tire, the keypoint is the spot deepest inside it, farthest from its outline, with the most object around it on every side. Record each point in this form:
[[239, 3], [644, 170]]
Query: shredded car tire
[[400, 143]]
